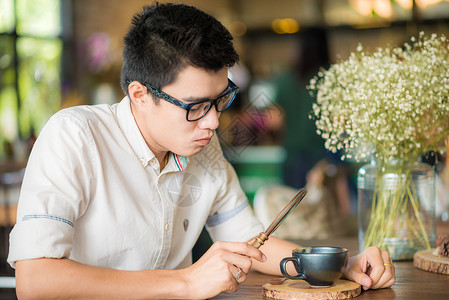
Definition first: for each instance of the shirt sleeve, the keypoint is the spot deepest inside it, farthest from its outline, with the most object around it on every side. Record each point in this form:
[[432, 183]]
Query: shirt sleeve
[[231, 218], [54, 191]]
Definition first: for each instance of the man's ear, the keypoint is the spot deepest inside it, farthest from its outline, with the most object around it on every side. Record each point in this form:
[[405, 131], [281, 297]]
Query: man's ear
[[137, 92]]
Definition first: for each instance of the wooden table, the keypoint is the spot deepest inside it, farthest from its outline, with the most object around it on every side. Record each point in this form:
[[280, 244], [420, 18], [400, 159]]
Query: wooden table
[[411, 283]]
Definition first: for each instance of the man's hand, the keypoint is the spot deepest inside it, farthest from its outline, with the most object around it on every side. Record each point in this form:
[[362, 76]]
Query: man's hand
[[216, 271], [373, 268]]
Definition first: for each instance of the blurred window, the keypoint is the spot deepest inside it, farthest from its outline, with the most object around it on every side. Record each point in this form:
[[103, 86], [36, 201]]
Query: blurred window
[[30, 69]]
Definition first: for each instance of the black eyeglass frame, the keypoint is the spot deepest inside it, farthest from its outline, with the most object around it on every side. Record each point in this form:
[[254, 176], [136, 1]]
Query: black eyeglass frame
[[232, 88]]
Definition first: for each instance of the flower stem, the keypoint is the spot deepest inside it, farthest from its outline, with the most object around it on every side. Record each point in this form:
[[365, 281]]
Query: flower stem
[[395, 211]]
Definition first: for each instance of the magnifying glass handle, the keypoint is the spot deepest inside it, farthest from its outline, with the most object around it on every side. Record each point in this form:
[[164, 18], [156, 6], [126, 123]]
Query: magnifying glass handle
[[259, 240], [263, 236]]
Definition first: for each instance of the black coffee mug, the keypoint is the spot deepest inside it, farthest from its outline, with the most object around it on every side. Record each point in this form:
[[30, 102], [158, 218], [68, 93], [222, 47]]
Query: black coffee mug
[[319, 266]]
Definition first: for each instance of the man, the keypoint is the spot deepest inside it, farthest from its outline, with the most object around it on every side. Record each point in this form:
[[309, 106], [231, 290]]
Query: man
[[114, 197]]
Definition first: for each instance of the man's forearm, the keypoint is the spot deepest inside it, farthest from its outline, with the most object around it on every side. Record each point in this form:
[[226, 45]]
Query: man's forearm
[[212, 274], [63, 278]]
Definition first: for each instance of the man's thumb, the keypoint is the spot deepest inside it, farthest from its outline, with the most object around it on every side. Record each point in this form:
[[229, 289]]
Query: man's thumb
[[361, 278], [365, 281]]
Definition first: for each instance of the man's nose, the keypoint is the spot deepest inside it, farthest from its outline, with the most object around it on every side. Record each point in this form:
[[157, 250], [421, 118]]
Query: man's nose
[[210, 120]]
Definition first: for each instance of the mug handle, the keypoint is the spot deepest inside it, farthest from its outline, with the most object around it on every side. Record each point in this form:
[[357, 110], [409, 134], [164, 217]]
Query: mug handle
[[284, 269]]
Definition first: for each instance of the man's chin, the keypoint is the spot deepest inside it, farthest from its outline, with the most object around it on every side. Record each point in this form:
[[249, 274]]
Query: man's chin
[[193, 152]]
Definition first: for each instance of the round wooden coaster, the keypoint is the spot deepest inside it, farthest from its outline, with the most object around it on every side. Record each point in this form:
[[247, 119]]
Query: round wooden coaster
[[426, 261], [299, 289]]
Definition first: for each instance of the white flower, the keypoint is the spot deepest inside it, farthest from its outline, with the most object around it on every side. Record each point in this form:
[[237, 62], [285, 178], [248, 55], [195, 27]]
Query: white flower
[[394, 99]]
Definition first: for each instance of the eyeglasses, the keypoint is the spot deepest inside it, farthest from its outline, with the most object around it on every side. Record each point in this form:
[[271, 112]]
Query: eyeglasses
[[197, 110]]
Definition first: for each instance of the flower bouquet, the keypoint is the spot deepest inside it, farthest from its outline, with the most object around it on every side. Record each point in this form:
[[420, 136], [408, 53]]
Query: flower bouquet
[[390, 106]]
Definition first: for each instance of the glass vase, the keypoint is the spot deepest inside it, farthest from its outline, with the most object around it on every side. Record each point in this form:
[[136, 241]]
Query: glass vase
[[396, 208]]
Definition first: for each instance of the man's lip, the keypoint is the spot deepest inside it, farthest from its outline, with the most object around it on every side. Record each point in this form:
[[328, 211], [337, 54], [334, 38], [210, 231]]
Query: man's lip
[[204, 141], [205, 138]]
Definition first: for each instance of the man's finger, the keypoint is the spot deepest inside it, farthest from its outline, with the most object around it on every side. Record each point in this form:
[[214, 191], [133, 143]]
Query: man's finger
[[238, 274], [243, 249], [388, 275]]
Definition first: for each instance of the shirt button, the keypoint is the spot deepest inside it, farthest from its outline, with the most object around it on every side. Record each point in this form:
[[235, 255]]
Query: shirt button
[[152, 162], [142, 161], [167, 227]]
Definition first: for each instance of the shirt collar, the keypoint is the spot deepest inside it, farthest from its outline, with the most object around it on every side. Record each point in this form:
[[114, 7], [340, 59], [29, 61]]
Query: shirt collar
[[132, 133], [176, 163]]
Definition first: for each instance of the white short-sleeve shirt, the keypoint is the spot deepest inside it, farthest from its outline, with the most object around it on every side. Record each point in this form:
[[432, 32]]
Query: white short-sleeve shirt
[[93, 192]]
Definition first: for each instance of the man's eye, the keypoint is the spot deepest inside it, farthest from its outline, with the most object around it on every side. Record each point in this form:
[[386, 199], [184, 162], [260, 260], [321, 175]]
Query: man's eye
[[200, 107]]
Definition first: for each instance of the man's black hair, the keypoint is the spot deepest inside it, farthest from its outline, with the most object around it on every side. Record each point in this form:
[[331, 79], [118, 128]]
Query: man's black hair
[[165, 38]]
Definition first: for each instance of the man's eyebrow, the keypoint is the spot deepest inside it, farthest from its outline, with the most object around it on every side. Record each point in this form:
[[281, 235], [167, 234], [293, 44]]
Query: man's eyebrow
[[202, 99], [194, 99]]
